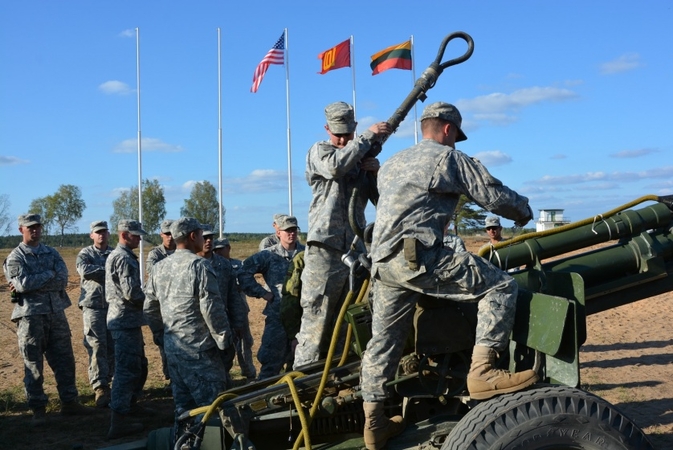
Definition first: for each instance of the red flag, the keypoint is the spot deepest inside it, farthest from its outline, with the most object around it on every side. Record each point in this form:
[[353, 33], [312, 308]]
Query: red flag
[[336, 57], [274, 56]]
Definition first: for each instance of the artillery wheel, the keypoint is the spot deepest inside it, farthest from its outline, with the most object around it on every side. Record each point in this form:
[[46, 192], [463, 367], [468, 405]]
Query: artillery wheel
[[550, 417]]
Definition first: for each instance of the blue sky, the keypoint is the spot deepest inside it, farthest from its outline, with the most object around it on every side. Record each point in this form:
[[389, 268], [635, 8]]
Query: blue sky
[[569, 103]]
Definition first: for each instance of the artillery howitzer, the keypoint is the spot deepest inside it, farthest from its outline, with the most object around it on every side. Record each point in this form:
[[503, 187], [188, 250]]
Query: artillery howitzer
[[321, 406], [635, 261]]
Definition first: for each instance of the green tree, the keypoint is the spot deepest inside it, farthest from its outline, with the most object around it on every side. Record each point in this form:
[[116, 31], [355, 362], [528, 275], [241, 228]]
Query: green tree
[[41, 206], [468, 215], [202, 204], [154, 206], [66, 207]]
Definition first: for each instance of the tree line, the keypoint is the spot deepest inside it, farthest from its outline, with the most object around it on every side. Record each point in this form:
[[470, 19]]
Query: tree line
[[62, 210]]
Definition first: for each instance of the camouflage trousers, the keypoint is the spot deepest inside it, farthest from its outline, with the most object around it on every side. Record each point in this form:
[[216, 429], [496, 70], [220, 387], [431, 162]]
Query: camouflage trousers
[[244, 344], [46, 336], [323, 291], [130, 369], [274, 348], [196, 380], [158, 339], [460, 277], [99, 345]]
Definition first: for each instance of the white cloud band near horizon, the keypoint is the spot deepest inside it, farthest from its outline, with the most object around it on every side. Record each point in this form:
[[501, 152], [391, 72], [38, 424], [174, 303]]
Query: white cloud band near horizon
[[665, 172], [115, 87], [147, 145]]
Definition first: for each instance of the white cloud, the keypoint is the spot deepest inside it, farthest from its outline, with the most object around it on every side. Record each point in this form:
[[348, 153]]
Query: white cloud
[[634, 153], [259, 180], [148, 145], [128, 33], [493, 158], [624, 63], [501, 103], [589, 177], [12, 160], [558, 156], [115, 87]]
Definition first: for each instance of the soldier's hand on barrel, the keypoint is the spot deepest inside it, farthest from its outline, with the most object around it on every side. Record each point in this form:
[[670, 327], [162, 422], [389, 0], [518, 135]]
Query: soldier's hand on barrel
[[381, 129], [370, 164]]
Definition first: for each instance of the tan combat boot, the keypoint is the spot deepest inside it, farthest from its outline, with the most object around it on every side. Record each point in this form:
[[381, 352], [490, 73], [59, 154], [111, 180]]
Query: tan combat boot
[[378, 428], [120, 426], [102, 398], [484, 381]]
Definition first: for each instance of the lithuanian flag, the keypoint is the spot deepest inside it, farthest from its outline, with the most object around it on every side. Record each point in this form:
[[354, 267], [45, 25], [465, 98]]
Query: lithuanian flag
[[395, 57]]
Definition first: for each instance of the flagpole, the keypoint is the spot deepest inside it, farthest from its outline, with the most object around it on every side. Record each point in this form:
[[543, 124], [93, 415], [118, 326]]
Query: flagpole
[[352, 61], [287, 112], [219, 125], [140, 161], [413, 81]]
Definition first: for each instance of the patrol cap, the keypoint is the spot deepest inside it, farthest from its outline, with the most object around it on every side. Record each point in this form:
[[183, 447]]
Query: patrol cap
[[28, 220], [166, 226], [445, 111], [132, 226], [287, 222], [183, 226], [277, 217], [98, 226], [492, 221], [221, 243], [340, 118], [207, 230]]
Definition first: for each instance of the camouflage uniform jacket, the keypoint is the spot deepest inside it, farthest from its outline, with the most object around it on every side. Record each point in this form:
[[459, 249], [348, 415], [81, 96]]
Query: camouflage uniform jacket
[[91, 268], [268, 241], [420, 187], [332, 174], [226, 282], [272, 263], [183, 300], [236, 264], [155, 255], [40, 277], [123, 290]]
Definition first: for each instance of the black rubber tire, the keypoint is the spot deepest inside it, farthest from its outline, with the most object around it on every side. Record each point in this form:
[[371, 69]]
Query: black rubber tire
[[549, 418]]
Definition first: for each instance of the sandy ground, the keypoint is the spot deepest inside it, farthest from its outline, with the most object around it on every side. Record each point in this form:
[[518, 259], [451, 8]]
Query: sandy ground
[[627, 359]]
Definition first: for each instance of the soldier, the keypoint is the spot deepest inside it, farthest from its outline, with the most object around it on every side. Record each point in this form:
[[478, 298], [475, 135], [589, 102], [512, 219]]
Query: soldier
[[37, 278], [155, 255], [125, 297], [183, 299], [453, 241], [419, 189], [272, 263], [243, 340], [493, 231], [332, 171], [98, 342], [271, 239], [226, 281]]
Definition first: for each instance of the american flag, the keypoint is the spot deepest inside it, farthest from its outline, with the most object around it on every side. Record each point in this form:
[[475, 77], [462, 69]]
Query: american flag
[[274, 56]]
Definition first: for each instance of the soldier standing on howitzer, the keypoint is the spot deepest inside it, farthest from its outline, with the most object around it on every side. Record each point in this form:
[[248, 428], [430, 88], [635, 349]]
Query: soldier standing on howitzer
[[37, 278], [243, 337], [333, 171], [97, 338], [125, 297], [226, 281], [183, 300], [272, 263], [155, 255], [419, 190]]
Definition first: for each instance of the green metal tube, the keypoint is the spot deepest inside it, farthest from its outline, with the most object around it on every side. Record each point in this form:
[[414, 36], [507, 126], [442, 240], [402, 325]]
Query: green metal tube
[[623, 224]]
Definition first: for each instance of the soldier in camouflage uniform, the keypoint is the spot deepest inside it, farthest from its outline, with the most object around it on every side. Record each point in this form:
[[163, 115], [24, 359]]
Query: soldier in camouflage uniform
[[419, 189], [37, 278], [125, 297], [98, 341], [242, 337], [183, 300], [226, 281], [272, 263], [155, 255], [271, 239], [332, 170]]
